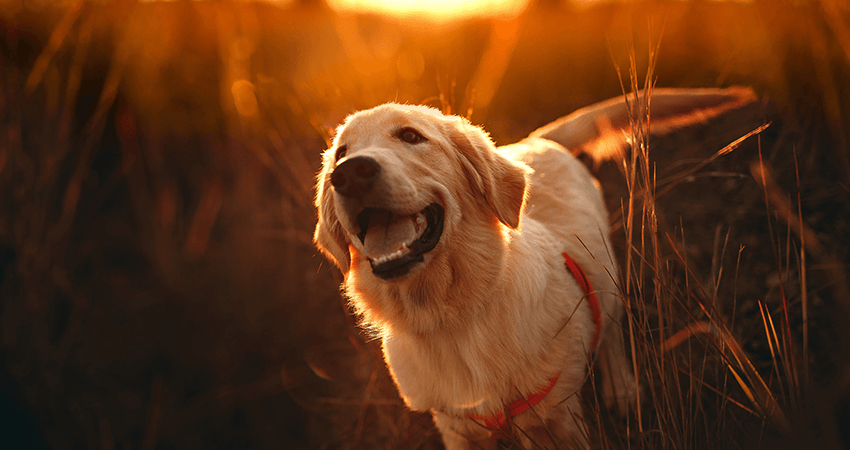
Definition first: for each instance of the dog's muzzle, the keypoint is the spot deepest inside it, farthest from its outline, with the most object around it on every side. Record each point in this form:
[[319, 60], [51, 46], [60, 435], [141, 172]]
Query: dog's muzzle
[[393, 242]]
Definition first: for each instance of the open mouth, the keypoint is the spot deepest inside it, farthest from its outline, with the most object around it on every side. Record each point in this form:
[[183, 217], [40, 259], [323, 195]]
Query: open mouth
[[396, 243]]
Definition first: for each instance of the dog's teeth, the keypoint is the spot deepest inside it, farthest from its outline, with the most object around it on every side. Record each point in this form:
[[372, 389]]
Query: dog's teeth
[[391, 256]]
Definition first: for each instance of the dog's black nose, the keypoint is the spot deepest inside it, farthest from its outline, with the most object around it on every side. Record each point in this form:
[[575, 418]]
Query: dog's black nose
[[355, 176]]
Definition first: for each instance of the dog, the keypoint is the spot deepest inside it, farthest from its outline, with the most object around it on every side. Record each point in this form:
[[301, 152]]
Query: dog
[[487, 272]]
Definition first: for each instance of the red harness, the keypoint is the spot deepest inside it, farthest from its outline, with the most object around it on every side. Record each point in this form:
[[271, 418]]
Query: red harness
[[499, 423]]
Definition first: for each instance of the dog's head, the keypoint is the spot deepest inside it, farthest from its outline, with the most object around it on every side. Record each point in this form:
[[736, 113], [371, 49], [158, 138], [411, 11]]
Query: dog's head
[[399, 180]]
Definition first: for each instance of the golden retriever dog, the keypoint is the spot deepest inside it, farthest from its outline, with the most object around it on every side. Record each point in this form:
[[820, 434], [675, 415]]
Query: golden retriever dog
[[487, 272]]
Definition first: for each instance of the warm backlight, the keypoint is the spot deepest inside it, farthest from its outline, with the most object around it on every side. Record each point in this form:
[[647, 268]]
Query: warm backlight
[[437, 10]]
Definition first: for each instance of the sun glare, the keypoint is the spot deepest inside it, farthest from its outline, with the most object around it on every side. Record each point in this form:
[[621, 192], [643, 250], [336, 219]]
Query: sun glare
[[437, 10]]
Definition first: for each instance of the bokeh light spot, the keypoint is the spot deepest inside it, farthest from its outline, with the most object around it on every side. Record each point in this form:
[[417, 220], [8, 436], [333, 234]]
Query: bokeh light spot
[[244, 98]]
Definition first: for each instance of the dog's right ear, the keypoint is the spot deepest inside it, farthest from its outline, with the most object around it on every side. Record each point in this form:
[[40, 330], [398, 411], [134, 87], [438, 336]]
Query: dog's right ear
[[329, 236]]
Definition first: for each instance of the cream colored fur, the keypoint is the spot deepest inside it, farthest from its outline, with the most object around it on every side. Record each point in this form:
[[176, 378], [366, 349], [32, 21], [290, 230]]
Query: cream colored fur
[[492, 313]]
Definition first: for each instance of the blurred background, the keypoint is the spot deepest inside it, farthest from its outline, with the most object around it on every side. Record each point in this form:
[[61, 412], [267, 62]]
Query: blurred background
[[158, 284]]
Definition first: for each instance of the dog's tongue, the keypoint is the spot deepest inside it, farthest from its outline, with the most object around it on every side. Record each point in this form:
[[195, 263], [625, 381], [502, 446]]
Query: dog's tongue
[[388, 233]]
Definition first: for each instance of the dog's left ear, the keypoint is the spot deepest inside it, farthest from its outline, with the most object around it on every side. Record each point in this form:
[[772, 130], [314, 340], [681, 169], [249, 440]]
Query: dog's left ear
[[498, 179], [329, 236]]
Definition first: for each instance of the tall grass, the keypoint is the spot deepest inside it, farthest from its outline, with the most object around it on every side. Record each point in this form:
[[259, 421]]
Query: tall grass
[[700, 388]]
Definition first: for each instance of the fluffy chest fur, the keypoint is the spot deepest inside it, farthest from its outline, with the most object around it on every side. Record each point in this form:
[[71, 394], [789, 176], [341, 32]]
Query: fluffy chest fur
[[484, 365]]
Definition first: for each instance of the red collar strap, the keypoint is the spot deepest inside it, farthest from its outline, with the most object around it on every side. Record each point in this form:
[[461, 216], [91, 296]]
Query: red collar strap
[[499, 423], [592, 301]]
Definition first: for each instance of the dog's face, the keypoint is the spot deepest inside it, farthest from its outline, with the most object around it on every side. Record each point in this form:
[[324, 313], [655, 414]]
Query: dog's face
[[400, 182]]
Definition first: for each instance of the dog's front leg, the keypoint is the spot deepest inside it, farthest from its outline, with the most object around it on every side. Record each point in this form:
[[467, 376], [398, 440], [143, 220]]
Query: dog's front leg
[[463, 434]]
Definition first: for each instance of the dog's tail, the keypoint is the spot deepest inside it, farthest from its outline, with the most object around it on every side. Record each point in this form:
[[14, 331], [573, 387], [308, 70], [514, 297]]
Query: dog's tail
[[601, 130]]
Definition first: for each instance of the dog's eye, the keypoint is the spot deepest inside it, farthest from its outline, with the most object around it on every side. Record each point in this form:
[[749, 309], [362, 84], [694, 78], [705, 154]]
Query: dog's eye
[[340, 152], [410, 135]]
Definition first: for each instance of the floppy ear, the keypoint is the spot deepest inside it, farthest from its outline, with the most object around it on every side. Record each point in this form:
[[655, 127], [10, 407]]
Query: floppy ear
[[329, 236], [498, 179]]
